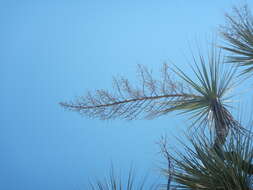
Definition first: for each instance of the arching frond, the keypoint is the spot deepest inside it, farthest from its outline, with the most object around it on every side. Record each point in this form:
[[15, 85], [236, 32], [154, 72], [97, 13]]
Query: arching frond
[[238, 35]]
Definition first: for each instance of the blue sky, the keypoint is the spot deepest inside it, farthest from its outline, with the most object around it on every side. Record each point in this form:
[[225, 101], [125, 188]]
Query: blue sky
[[52, 51]]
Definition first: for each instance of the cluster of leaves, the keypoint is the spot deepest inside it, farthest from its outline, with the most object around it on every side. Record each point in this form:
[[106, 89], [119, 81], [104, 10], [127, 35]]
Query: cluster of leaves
[[201, 167]]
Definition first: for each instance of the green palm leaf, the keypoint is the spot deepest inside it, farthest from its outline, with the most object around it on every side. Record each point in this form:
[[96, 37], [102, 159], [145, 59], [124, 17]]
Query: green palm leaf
[[199, 167]]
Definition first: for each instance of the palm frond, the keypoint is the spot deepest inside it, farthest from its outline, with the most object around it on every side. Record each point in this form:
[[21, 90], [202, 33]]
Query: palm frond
[[238, 35], [201, 167]]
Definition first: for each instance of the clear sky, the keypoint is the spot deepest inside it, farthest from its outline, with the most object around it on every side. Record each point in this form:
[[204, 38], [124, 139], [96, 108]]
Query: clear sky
[[53, 51]]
